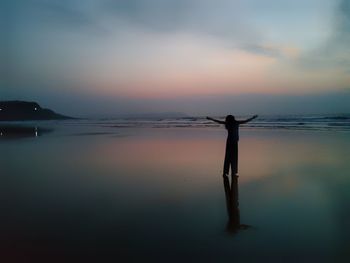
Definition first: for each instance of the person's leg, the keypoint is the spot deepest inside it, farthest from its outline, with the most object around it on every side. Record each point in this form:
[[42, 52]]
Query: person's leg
[[227, 164], [227, 159], [234, 158]]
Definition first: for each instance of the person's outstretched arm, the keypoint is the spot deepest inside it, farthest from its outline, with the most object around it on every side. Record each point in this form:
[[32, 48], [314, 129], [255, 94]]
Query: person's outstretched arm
[[248, 120], [218, 121]]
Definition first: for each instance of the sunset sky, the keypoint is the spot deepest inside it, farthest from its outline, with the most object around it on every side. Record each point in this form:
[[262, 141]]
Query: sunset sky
[[197, 56]]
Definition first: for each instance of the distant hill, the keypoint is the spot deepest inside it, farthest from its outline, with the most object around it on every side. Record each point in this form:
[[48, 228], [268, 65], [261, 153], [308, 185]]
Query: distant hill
[[24, 110]]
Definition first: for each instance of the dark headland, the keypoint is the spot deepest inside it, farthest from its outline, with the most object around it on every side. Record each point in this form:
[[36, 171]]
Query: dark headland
[[24, 110]]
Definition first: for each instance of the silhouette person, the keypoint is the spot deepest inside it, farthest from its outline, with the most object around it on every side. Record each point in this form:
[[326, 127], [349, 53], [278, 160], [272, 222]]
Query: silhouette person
[[231, 153]]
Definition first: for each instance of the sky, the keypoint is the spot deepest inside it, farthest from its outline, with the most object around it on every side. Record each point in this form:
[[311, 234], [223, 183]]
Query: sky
[[109, 57]]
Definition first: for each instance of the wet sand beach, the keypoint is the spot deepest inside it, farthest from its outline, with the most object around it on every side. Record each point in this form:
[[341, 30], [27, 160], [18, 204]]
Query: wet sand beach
[[150, 194]]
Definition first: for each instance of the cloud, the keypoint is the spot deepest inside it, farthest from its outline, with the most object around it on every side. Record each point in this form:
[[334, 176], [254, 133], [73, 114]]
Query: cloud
[[276, 51], [66, 12], [70, 16], [221, 19], [343, 20], [334, 52], [155, 15]]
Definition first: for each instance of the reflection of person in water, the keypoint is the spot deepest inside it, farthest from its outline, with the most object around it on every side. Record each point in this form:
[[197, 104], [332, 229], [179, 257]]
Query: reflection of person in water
[[231, 194], [231, 154]]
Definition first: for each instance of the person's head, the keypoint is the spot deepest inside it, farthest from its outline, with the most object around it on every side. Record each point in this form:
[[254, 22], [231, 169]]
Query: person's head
[[230, 120]]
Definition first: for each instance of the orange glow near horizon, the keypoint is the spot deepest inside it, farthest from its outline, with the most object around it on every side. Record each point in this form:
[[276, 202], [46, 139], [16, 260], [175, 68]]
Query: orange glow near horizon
[[182, 65], [226, 72]]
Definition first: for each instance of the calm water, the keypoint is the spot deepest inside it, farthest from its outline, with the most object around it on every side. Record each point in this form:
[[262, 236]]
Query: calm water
[[96, 191]]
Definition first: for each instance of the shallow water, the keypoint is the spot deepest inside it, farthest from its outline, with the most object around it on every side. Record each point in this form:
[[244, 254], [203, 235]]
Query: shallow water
[[81, 192]]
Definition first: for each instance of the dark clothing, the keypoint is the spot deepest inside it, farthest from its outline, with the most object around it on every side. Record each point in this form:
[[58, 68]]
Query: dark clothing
[[231, 157], [231, 153], [232, 131]]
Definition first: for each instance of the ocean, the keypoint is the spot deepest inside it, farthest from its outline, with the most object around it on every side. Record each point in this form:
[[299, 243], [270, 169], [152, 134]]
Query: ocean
[[334, 123]]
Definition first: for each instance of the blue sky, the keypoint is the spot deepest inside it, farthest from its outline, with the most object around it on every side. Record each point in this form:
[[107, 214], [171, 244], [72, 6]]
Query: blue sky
[[172, 55]]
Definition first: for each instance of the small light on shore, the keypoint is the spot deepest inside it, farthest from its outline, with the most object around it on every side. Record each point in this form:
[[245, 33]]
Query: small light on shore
[[35, 108], [36, 132], [0, 109]]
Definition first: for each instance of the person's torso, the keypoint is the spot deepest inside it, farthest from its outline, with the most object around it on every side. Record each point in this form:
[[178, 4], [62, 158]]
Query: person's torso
[[232, 131]]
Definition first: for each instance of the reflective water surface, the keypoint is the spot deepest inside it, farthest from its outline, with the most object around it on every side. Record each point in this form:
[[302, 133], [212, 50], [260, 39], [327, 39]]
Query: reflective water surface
[[158, 195]]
